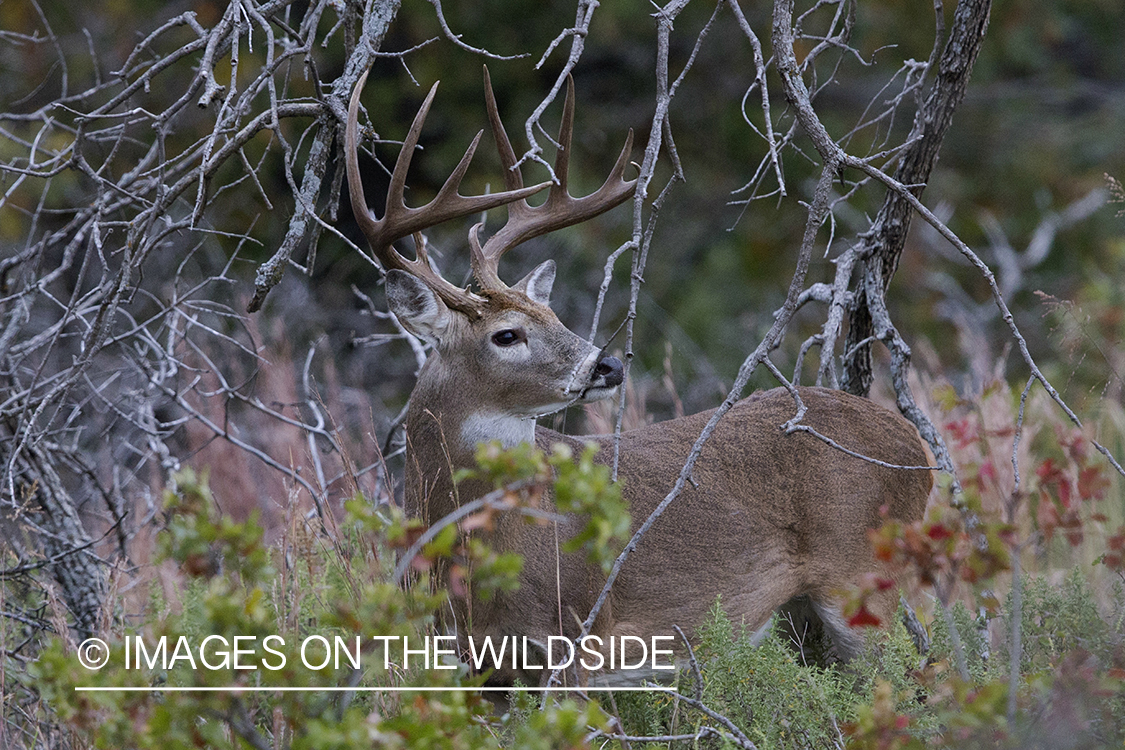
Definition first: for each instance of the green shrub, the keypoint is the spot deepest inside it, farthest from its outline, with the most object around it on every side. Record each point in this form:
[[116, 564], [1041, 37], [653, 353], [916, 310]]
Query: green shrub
[[227, 581]]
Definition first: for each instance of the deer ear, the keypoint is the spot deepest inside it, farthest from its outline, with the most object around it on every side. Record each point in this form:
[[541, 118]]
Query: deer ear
[[537, 284], [416, 306]]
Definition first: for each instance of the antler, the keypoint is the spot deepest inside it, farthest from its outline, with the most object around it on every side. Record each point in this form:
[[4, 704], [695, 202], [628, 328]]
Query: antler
[[400, 220], [559, 210]]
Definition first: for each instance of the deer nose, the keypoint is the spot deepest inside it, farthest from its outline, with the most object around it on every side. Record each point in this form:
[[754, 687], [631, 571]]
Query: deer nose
[[610, 370]]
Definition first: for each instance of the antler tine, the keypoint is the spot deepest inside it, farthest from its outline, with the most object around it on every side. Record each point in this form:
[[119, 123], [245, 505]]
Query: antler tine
[[559, 210], [513, 178], [400, 220]]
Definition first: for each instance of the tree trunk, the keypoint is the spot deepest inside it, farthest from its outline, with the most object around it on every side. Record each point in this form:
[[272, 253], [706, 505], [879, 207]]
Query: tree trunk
[[883, 244]]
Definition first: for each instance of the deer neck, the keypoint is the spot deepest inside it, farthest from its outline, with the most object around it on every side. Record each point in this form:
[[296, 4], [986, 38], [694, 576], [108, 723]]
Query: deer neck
[[444, 424]]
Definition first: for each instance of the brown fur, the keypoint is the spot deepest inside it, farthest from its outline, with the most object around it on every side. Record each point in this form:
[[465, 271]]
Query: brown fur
[[771, 517]]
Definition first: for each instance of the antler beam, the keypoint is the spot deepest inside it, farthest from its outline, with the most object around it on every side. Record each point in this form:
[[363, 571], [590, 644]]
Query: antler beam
[[524, 222], [400, 220], [559, 210]]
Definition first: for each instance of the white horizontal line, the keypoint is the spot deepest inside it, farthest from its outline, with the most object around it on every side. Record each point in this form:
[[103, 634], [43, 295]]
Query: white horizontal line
[[291, 689]]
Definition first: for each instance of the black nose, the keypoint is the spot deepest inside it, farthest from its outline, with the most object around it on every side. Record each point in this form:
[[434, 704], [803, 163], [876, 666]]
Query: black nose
[[610, 369]]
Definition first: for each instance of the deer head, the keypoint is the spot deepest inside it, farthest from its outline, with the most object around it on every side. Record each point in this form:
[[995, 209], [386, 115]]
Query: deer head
[[503, 348]]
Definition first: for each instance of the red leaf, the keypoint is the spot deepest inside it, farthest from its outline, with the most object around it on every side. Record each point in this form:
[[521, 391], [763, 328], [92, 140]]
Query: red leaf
[[1064, 492], [863, 618], [963, 432], [937, 532], [1047, 516], [1117, 541], [1092, 483], [457, 583], [1048, 472], [1076, 446]]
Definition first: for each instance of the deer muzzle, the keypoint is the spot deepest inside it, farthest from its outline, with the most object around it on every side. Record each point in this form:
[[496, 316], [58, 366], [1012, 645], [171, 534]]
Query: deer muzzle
[[608, 373]]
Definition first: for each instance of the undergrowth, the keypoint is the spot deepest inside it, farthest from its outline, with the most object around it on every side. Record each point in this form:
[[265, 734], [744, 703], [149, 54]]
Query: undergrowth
[[213, 577]]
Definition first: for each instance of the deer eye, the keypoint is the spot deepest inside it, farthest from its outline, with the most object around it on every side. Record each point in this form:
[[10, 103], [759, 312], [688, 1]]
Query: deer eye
[[508, 337]]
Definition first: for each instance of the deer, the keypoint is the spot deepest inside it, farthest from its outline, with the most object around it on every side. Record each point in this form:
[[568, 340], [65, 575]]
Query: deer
[[772, 519]]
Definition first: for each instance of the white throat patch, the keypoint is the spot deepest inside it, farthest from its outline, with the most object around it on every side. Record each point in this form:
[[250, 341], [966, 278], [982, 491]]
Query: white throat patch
[[510, 430]]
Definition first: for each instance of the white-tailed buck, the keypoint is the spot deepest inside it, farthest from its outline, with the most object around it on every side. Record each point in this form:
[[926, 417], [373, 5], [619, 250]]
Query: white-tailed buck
[[770, 518]]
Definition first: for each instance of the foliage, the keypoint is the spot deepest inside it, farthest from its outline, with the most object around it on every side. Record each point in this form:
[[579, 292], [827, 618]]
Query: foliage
[[1068, 636], [1071, 692], [780, 701], [204, 542], [1071, 682], [586, 488], [581, 487], [235, 586], [766, 689]]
